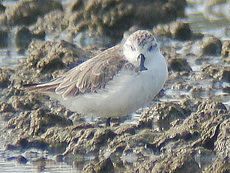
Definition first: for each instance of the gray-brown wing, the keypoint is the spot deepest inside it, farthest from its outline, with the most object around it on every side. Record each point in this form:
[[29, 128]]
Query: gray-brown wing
[[88, 76]]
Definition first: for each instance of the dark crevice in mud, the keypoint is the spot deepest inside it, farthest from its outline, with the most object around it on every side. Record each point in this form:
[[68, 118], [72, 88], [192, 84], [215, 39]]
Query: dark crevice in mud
[[157, 149], [209, 142], [190, 136], [23, 145]]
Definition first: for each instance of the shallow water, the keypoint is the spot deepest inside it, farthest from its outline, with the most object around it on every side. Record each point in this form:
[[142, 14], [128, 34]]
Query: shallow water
[[10, 58], [8, 162], [218, 23]]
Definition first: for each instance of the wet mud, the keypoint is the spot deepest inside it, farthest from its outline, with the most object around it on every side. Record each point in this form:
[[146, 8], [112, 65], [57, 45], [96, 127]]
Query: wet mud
[[184, 129]]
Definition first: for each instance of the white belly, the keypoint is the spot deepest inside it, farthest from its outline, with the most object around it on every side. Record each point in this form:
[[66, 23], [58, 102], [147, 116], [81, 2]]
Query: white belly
[[123, 95]]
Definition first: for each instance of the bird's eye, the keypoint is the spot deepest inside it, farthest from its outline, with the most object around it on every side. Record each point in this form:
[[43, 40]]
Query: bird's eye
[[152, 47], [132, 48]]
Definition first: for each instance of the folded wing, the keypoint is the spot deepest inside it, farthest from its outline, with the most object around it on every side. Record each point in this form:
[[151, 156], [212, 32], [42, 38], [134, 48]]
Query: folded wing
[[89, 76]]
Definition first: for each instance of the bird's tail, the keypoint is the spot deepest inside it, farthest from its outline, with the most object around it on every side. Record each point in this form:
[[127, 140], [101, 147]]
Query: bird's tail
[[41, 87]]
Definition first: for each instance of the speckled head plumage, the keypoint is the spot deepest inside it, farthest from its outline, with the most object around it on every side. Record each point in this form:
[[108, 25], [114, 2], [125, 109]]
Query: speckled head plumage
[[141, 42], [142, 37]]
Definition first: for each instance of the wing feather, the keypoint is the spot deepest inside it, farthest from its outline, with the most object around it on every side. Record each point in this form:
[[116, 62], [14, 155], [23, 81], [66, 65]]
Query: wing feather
[[89, 76], [72, 90]]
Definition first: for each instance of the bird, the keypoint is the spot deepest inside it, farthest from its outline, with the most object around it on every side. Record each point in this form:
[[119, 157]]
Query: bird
[[114, 83]]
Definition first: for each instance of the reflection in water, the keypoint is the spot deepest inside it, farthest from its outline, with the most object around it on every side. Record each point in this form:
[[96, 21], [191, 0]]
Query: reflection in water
[[9, 58], [41, 164], [210, 17]]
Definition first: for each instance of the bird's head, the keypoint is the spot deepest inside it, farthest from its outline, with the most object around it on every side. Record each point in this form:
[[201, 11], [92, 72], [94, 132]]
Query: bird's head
[[139, 49]]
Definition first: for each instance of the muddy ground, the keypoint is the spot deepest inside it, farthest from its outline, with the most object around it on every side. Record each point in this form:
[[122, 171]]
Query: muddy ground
[[188, 134]]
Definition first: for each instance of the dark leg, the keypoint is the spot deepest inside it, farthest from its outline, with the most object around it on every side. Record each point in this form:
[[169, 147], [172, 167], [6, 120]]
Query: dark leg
[[107, 123]]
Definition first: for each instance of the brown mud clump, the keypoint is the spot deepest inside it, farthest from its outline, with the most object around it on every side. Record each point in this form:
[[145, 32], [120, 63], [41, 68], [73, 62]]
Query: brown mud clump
[[184, 129]]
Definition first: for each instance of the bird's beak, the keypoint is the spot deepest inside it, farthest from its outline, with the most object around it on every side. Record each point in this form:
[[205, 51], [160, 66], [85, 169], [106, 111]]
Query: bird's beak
[[141, 59]]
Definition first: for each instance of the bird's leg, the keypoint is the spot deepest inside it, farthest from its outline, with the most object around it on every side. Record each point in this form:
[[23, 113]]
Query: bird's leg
[[108, 122]]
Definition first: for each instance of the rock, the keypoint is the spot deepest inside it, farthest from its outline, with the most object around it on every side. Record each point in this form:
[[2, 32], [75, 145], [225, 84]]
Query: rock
[[225, 76], [11, 147], [181, 31], [226, 89], [222, 139], [22, 143], [26, 12], [176, 30], [99, 138], [187, 129], [105, 165], [36, 122], [152, 13], [4, 37], [208, 141], [6, 107], [179, 65], [217, 72], [94, 19], [2, 8], [21, 159], [5, 77], [101, 17], [183, 161], [226, 49], [162, 115], [6, 116], [211, 46], [216, 10], [24, 36], [38, 144], [24, 102], [53, 23], [219, 165], [201, 92], [89, 168], [77, 137], [50, 56]]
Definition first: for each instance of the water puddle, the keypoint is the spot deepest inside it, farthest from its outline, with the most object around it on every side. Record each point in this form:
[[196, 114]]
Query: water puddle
[[10, 58]]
